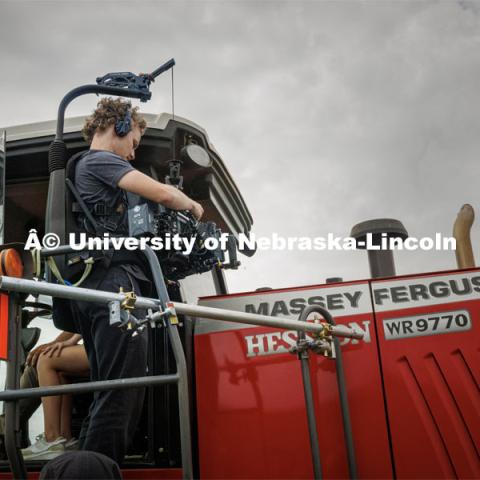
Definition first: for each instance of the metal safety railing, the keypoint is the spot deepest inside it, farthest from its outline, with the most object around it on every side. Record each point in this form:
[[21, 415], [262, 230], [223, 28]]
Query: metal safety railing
[[163, 311]]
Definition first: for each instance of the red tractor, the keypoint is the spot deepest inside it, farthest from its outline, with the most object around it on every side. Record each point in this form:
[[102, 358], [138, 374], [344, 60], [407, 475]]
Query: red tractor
[[375, 378]]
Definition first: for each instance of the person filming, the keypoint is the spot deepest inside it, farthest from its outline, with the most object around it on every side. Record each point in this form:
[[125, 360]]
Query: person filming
[[103, 176]]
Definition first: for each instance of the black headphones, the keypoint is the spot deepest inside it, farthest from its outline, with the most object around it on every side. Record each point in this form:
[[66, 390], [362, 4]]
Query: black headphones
[[123, 126]]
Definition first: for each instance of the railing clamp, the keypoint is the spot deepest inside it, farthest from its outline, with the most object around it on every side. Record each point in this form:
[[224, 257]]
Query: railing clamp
[[321, 342]]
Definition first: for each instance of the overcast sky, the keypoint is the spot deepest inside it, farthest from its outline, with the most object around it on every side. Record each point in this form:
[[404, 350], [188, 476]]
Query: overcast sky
[[325, 113]]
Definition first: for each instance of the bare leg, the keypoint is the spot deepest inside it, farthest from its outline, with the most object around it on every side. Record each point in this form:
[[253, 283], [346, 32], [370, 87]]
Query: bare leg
[[66, 411], [48, 377], [73, 361]]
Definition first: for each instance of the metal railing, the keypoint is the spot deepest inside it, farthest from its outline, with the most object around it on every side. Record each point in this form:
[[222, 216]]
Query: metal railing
[[164, 311]]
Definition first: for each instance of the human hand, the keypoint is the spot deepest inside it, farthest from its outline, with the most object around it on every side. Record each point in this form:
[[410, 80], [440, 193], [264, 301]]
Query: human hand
[[33, 355], [197, 210], [55, 349]]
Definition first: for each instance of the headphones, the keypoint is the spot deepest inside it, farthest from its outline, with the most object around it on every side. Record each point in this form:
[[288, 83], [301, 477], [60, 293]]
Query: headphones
[[123, 126]]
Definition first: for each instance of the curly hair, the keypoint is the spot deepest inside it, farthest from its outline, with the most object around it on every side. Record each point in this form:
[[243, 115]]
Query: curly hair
[[108, 112]]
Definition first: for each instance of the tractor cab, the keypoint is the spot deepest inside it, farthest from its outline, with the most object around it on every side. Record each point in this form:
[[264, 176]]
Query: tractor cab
[[25, 205]]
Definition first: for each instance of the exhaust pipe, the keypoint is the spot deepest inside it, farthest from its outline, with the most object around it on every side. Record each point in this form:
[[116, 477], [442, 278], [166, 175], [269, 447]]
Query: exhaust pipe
[[461, 232], [381, 261]]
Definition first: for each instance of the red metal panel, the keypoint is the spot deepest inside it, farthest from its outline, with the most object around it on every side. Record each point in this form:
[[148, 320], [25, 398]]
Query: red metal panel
[[128, 474], [251, 412], [431, 372], [8, 476], [3, 326]]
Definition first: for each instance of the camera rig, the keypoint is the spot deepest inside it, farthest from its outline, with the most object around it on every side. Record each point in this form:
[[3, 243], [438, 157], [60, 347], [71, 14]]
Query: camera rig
[[208, 245], [61, 221]]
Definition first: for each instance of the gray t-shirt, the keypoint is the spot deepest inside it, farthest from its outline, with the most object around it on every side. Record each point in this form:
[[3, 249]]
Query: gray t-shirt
[[97, 175]]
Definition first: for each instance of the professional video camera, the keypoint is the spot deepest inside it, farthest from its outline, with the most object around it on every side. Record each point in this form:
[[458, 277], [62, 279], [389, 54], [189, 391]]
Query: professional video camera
[[200, 246]]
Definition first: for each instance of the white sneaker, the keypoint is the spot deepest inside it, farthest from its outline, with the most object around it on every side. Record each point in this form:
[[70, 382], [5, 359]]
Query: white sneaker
[[43, 450], [72, 444]]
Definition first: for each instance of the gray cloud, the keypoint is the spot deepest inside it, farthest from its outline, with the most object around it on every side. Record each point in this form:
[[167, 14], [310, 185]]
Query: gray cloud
[[326, 113]]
